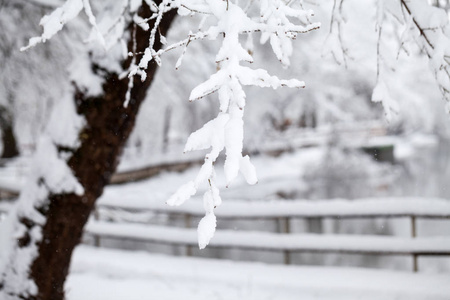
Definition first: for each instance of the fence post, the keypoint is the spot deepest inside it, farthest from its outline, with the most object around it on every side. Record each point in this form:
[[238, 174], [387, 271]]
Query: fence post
[[284, 227], [96, 236], [314, 225], [187, 224], [413, 235]]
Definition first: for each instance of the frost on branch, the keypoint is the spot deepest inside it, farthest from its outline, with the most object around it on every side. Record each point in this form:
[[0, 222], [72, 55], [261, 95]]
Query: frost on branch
[[431, 30], [381, 94], [59, 17], [424, 25], [225, 132], [103, 44], [385, 63], [334, 44]]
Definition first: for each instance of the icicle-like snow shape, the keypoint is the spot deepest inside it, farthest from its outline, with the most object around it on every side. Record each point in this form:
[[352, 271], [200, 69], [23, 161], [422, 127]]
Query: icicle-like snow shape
[[226, 131]]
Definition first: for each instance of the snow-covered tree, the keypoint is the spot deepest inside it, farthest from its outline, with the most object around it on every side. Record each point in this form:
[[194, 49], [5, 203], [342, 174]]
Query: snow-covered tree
[[78, 153]]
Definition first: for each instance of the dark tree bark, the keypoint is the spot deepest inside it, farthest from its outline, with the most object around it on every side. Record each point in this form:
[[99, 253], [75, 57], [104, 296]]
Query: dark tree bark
[[108, 127], [8, 138], [9, 142]]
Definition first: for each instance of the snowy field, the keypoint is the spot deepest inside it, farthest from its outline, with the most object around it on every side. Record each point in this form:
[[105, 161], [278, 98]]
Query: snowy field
[[104, 274], [107, 274], [119, 274]]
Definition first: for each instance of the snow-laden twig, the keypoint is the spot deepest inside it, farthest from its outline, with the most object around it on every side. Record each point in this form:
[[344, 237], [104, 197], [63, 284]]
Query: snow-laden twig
[[54, 22], [334, 43], [225, 132], [381, 92], [433, 27]]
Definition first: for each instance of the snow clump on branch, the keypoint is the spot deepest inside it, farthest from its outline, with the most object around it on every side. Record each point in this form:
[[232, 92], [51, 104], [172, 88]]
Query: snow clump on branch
[[423, 25], [225, 132]]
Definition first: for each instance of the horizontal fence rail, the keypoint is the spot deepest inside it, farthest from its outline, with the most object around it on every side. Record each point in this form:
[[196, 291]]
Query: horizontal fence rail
[[336, 208], [283, 212], [252, 240]]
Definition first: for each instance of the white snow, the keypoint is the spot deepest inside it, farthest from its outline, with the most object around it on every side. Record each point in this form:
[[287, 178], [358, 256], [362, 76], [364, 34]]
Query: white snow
[[103, 274], [387, 207], [206, 229], [55, 21], [270, 241]]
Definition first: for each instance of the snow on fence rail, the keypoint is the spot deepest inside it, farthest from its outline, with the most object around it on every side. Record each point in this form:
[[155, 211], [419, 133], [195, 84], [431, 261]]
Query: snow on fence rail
[[336, 208], [284, 212], [256, 240]]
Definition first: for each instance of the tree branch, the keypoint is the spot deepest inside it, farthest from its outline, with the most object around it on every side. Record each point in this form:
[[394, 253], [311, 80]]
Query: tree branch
[[421, 30]]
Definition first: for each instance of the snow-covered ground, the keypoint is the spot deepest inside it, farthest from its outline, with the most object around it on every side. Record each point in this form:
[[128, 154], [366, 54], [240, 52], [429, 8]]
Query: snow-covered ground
[[104, 274], [99, 273]]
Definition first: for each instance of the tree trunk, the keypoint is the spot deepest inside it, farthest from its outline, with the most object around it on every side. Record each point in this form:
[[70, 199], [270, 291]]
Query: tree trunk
[[102, 139], [8, 137], [9, 142]]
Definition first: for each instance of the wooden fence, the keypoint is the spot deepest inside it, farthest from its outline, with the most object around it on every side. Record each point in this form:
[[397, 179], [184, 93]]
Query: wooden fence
[[284, 212]]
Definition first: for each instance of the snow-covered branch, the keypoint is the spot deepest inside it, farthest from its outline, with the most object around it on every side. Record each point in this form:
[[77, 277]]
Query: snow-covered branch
[[225, 132], [277, 21], [334, 44], [432, 26], [52, 4], [381, 92]]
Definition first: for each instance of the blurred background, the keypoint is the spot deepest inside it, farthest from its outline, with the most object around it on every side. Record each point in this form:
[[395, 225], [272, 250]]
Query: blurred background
[[326, 141]]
